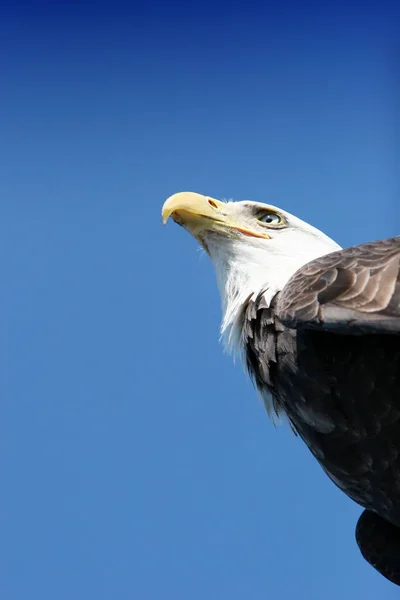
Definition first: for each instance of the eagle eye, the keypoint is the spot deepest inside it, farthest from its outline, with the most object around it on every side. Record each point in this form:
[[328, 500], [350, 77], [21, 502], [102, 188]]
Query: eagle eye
[[271, 218]]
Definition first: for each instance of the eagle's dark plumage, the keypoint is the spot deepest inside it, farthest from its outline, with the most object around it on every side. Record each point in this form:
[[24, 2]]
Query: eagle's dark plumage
[[319, 329], [336, 375]]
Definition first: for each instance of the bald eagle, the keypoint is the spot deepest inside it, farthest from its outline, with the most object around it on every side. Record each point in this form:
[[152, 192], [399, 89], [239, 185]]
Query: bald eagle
[[318, 328]]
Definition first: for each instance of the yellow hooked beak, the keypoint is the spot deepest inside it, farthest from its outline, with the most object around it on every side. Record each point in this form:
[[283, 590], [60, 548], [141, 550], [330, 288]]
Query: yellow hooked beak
[[200, 213]]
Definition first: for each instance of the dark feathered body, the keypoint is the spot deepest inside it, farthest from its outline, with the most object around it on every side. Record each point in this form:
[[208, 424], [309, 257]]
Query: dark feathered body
[[342, 396], [328, 350]]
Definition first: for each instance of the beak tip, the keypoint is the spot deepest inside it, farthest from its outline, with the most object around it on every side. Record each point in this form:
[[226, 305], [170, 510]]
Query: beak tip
[[165, 215], [190, 202], [178, 200]]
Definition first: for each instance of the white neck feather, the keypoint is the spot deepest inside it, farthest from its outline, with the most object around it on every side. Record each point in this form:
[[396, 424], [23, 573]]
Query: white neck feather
[[244, 268]]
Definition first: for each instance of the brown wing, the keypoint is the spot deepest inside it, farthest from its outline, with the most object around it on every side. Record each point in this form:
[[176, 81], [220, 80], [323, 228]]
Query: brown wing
[[354, 290]]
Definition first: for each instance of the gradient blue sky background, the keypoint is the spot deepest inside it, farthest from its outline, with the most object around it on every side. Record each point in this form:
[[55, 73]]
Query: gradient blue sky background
[[136, 460]]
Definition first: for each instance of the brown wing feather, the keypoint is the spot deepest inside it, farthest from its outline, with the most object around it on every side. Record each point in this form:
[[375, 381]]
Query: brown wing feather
[[341, 392], [354, 290]]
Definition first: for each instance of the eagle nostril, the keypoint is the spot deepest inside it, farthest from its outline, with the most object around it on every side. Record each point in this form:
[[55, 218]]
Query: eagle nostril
[[213, 204]]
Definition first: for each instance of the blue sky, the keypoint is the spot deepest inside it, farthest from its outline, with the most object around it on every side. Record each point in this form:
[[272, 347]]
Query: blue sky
[[136, 460]]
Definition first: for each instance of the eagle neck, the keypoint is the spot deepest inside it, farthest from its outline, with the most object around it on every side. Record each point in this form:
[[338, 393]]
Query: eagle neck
[[240, 281]]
